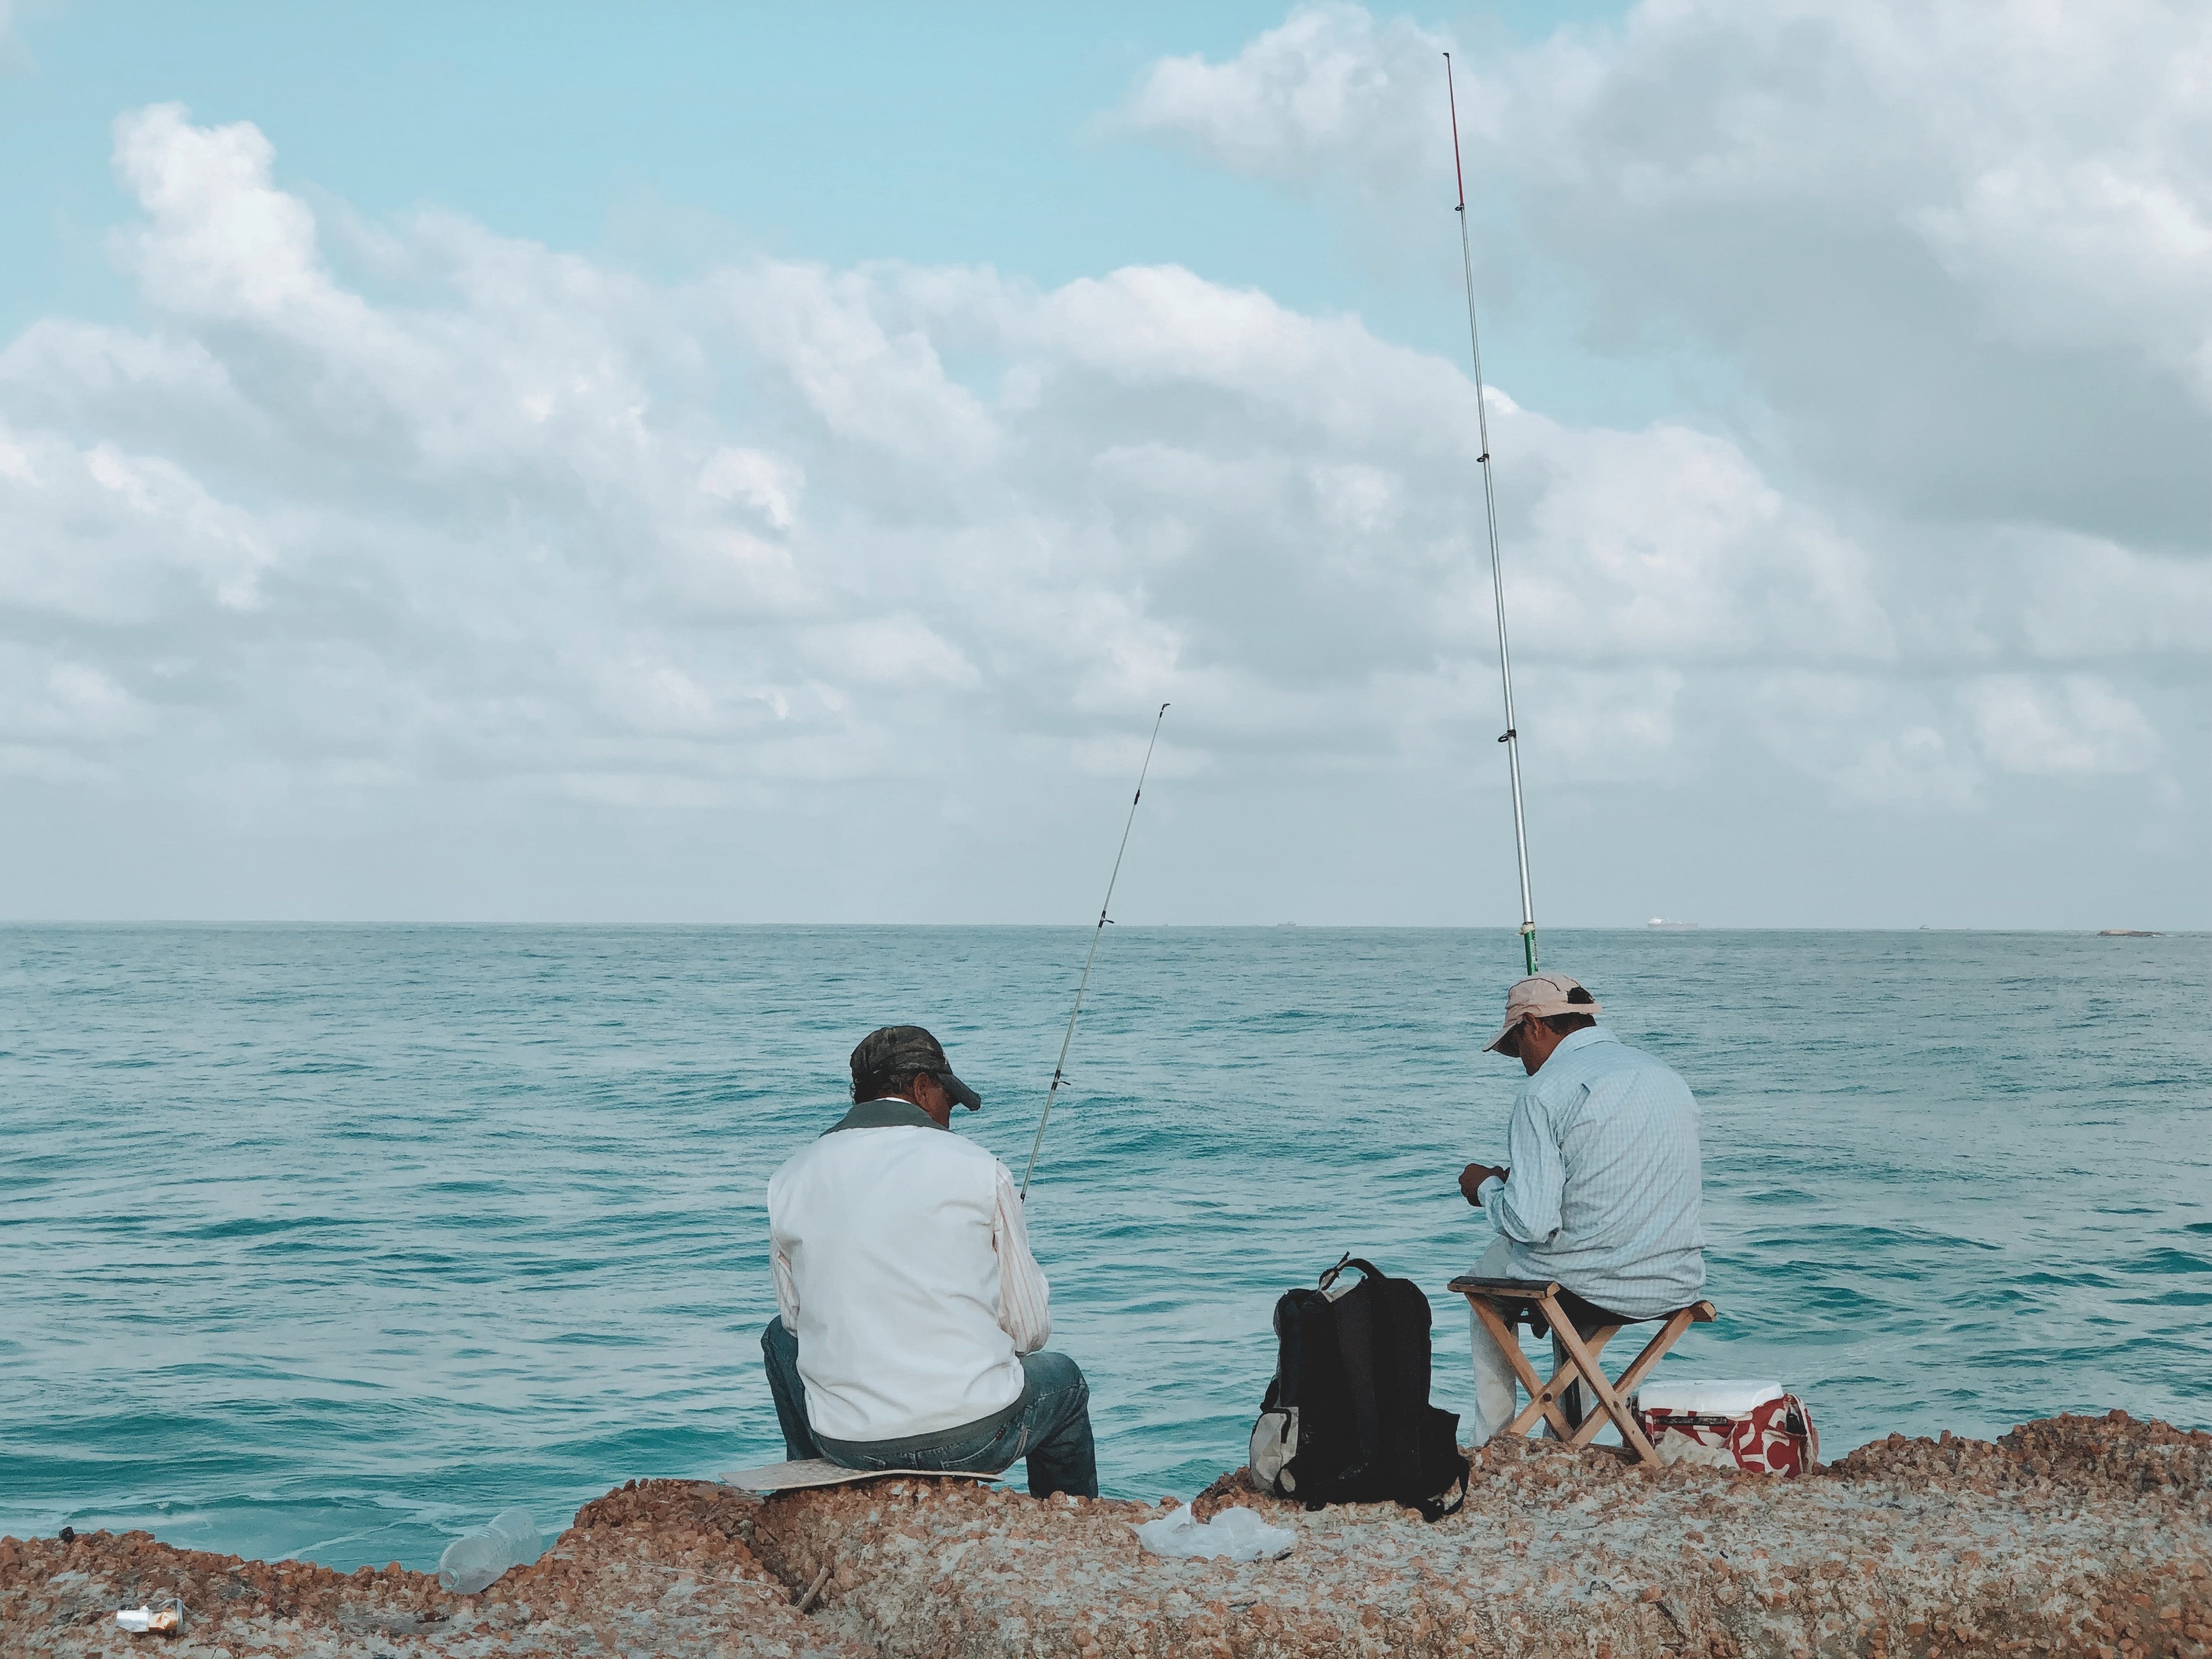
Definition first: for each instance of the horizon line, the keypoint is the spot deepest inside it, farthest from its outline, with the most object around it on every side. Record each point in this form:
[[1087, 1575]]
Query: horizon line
[[1508, 928]]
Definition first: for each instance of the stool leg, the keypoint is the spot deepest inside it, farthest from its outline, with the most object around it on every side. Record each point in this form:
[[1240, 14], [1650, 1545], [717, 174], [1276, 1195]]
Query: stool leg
[[1543, 1397], [1625, 1386], [1551, 1406], [1592, 1418], [1593, 1375], [1654, 1351]]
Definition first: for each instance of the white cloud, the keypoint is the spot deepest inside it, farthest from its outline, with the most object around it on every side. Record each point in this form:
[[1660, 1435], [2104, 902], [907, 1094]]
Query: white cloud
[[2075, 727], [761, 481], [1915, 767], [1962, 252], [512, 512], [2095, 600], [1331, 89], [45, 699], [1606, 726], [1668, 543], [865, 381], [1960, 259], [1873, 742], [96, 534], [549, 530], [219, 238]]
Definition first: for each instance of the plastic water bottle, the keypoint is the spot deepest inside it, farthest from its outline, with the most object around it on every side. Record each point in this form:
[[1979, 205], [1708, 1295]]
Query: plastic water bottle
[[475, 1561]]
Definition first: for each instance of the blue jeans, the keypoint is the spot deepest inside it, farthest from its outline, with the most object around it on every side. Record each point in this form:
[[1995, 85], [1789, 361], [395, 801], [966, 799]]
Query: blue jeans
[[1049, 1426]]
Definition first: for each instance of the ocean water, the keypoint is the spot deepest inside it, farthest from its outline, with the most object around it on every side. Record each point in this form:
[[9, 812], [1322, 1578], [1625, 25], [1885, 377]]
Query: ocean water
[[329, 1242]]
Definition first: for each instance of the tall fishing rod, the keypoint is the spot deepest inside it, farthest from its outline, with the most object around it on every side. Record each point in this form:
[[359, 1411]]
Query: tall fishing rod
[[1059, 1075], [1511, 738]]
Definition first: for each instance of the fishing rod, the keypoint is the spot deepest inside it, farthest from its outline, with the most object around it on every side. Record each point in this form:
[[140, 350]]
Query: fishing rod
[[1059, 1075], [1511, 738]]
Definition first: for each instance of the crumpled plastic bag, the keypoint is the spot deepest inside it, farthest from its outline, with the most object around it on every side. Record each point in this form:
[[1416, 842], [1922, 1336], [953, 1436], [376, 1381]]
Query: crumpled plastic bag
[[1233, 1535]]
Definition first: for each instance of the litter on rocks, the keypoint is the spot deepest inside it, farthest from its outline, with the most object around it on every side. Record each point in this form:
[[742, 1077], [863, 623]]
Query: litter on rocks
[[479, 1557], [1235, 1534], [165, 1619]]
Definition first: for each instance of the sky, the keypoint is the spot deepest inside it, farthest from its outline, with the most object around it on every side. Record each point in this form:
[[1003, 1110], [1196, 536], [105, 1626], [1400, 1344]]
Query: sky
[[699, 465]]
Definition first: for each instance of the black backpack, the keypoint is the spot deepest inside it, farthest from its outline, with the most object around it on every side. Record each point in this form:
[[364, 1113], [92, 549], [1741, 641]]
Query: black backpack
[[1347, 1418]]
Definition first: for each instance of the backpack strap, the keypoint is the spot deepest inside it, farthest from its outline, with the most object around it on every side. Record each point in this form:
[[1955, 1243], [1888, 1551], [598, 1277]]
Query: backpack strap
[[1367, 1270], [1450, 1501], [1440, 1442], [1361, 1324], [1354, 1324]]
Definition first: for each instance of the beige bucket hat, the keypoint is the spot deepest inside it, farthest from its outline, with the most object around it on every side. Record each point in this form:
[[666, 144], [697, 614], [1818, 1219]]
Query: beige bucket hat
[[1543, 995]]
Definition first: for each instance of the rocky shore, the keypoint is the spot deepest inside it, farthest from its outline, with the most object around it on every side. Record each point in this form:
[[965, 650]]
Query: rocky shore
[[2069, 1536]]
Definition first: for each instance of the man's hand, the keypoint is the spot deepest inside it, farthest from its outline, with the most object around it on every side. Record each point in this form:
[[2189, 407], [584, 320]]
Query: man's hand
[[1472, 1177]]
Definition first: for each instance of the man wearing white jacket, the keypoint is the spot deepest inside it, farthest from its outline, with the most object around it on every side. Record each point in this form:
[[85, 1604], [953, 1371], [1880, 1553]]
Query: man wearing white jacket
[[911, 1317]]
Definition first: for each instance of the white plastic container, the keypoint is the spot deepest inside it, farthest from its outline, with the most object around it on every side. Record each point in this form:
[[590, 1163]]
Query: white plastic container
[[476, 1559], [1731, 1397]]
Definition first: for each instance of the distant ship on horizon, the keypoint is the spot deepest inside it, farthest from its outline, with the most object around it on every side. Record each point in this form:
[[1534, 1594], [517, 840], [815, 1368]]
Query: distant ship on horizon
[[1662, 925]]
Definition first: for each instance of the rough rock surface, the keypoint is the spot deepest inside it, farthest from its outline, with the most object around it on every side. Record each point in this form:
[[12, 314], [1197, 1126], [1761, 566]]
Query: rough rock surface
[[2071, 1536], [668, 1576]]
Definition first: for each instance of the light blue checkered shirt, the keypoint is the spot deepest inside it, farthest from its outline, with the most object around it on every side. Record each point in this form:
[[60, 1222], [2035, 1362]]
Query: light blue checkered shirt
[[1603, 1194]]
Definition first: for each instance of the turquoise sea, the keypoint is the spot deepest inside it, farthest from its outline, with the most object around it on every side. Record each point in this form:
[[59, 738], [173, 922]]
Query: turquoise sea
[[331, 1241]]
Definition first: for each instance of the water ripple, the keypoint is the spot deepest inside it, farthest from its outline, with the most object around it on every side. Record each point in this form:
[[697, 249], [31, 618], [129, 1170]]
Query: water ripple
[[332, 1240]]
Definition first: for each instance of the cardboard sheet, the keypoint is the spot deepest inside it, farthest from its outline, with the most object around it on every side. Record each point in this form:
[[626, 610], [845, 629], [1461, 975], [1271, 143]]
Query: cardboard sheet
[[819, 1472]]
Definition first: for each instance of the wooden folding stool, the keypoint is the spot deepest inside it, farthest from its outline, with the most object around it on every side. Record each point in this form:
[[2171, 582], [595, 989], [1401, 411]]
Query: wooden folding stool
[[1502, 1305]]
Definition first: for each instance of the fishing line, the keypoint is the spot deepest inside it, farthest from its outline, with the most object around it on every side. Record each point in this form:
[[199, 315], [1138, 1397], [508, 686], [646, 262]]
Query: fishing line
[[1097, 933], [1511, 738]]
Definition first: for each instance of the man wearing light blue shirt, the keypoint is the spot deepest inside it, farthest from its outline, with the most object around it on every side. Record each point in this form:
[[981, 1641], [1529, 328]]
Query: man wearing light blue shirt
[[1600, 1192]]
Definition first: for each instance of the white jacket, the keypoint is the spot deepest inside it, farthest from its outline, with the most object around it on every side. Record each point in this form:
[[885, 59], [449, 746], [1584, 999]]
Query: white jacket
[[902, 1267]]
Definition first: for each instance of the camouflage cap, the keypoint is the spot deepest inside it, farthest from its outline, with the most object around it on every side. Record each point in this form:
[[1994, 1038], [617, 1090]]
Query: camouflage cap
[[891, 1050]]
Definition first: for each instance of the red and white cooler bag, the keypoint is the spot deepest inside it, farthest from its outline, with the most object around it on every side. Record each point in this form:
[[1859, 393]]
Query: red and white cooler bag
[[1753, 1426]]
